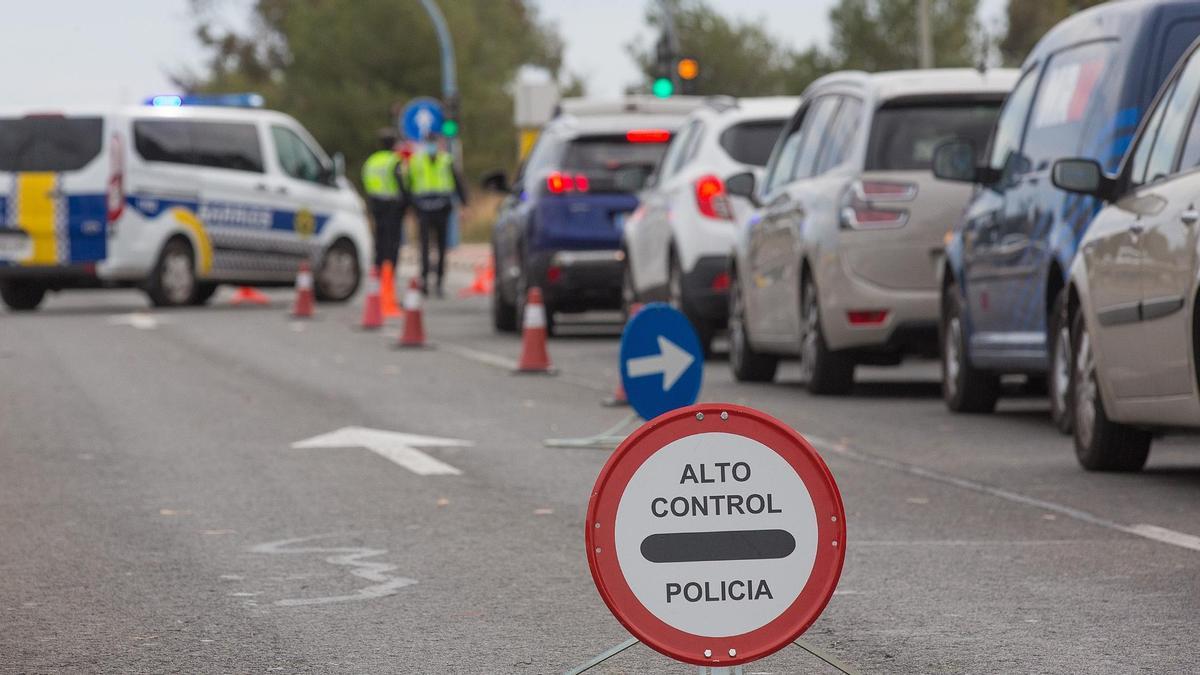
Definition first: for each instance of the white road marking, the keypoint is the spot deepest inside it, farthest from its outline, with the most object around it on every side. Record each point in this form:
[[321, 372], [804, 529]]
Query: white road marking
[[486, 358], [394, 446], [386, 584], [138, 320], [1153, 532]]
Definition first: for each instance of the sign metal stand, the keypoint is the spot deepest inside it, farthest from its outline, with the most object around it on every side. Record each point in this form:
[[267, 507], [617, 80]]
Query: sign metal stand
[[820, 654], [608, 439]]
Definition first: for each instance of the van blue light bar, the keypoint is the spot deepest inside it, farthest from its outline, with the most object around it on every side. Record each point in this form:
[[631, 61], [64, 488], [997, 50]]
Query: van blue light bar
[[247, 100]]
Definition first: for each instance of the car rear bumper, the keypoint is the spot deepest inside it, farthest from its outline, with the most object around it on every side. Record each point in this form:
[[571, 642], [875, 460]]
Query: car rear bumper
[[578, 281], [908, 325]]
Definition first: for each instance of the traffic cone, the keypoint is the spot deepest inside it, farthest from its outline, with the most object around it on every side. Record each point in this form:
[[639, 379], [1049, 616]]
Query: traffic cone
[[372, 317], [247, 295], [485, 280], [414, 328], [387, 292], [618, 399], [534, 358], [303, 308]]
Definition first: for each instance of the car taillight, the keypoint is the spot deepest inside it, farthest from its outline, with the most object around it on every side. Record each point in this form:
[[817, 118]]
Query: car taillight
[[115, 196], [866, 317], [711, 199], [648, 136], [720, 282], [862, 209], [558, 182]]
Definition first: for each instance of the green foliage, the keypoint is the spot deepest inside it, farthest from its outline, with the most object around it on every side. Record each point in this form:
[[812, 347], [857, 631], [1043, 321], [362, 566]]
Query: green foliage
[[882, 34], [340, 66], [1028, 20]]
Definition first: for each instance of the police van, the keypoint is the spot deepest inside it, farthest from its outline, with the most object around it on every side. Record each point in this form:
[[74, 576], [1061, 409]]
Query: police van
[[174, 200]]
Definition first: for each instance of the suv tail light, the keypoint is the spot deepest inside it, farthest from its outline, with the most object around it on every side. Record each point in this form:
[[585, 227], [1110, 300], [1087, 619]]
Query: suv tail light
[[558, 182], [711, 199], [648, 136], [861, 208], [115, 195]]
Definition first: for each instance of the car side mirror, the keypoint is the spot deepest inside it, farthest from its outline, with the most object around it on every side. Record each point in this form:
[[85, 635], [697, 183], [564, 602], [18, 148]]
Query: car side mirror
[[955, 160], [1082, 176], [742, 185], [495, 181]]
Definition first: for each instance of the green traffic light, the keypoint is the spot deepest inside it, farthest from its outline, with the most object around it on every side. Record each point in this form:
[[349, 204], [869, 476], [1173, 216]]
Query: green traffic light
[[450, 128], [663, 87]]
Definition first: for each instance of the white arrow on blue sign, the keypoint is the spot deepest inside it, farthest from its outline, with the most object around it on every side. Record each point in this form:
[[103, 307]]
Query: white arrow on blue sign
[[662, 362], [421, 117]]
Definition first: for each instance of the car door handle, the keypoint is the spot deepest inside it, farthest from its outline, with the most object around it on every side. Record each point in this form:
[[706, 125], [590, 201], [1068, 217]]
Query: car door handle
[[1189, 217], [281, 190], [261, 187], [1137, 228]]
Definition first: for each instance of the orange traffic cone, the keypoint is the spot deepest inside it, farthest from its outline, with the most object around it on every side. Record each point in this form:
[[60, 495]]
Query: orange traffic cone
[[387, 294], [534, 357], [618, 398], [247, 295], [485, 280], [303, 308], [372, 317], [414, 328]]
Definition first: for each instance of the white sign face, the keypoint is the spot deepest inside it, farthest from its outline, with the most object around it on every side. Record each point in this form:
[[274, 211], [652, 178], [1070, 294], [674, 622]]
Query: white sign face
[[716, 534]]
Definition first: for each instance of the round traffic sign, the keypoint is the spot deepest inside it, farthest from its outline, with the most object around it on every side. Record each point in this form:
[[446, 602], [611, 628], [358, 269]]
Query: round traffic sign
[[662, 361], [422, 117], [716, 534]]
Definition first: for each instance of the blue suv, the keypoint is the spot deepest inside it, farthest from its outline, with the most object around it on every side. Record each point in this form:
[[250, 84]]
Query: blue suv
[[559, 227], [1082, 92]]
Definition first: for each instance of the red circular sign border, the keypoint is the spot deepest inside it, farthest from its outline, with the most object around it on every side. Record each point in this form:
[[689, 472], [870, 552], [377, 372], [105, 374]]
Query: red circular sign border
[[610, 580]]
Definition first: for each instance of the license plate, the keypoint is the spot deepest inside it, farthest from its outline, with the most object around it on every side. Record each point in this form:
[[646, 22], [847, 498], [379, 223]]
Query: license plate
[[14, 245]]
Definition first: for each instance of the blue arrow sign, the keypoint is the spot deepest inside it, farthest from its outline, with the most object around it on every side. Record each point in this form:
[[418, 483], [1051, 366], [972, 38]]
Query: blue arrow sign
[[662, 363], [421, 117]]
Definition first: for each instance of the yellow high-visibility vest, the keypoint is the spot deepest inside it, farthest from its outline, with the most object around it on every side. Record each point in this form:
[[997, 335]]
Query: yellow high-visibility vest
[[379, 175], [430, 175]]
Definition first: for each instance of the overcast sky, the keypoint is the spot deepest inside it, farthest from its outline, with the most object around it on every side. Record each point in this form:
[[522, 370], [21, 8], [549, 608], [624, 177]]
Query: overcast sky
[[120, 51]]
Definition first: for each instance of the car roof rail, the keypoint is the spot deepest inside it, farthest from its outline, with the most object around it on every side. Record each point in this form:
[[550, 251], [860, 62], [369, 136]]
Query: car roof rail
[[721, 102]]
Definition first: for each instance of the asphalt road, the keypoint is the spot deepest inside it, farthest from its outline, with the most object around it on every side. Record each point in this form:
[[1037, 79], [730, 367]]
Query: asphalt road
[[154, 516]]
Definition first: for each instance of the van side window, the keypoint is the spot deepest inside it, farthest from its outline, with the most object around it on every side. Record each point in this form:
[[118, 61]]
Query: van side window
[[1062, 102], [841, 135], [221, 145], [816, 130], [779, 167], [1141, 154], [296, 158], [1006, 141], [1177, 112]]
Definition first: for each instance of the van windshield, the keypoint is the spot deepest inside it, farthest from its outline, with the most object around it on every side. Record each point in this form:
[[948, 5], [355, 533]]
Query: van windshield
[[49, 143], [904, 137]]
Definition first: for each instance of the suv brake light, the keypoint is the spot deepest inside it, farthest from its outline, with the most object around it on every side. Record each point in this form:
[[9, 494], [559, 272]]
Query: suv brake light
[[115, 196], [558, 182], [711, 199], [860, 209], [648, 136]]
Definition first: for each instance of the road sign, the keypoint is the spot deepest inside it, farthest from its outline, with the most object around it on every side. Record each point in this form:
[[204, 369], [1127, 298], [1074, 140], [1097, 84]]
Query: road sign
[[421, 117], [716, 534], [662, 362]]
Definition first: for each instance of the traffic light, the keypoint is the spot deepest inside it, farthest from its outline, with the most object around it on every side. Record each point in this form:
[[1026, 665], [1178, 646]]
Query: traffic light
[[450, 128], [687, 68], [663, 87]]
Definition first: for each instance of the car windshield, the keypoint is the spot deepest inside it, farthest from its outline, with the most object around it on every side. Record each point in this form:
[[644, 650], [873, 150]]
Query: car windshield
[[49, 143], [904, 137]]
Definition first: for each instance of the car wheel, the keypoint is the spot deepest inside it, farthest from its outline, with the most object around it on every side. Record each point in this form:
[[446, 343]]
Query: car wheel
[[204, 293], [504, 313], [747, 364], [827, 372], [22, 296], [965, 388], [677, 297], [173, 281], [1100, 444], [339, 275], [1059, 380]]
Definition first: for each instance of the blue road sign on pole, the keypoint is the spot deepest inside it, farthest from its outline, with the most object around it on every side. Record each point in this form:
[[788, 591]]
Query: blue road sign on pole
[[662, 363], [421, 117]]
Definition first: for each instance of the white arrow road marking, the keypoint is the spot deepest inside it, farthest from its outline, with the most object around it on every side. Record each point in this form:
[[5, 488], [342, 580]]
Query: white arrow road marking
[[139, 320], [671, 360], [392, 445], [386, 584]]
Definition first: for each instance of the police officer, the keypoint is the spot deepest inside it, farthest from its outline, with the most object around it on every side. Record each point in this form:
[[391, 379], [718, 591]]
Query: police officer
[[433, 182], [382, 178]]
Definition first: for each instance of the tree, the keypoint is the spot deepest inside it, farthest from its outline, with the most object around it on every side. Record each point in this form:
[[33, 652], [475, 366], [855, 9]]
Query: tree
[[1028, 21], [339, 66], [882, 34]]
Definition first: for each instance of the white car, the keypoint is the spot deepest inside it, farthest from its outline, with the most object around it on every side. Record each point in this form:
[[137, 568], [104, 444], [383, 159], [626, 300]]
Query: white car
[[677, 243], [172, 199]]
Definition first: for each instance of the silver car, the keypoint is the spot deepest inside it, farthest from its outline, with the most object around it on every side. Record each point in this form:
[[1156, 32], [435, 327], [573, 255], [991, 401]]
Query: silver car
[[838, 264], [1134, 285]]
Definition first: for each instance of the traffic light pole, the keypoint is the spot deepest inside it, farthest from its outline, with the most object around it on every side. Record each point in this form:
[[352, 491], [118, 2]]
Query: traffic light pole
[[672, 34], [449, 72]]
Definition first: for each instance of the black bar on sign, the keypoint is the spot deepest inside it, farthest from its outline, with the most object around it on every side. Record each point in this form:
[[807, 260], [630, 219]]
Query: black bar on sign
[[712, 546]]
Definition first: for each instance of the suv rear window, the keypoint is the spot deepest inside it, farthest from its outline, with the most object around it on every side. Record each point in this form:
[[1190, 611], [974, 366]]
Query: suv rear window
[[222, 145], [610, 153], [751, 142], [903, 137], [49, 143]]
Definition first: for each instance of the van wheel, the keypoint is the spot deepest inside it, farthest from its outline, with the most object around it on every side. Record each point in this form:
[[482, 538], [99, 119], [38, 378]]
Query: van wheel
[[204, 293], [173, 281], [1059, 381], [965, 388], [22, 296], [1100, 444], [747, 364], [339, 275], [828, 372]]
